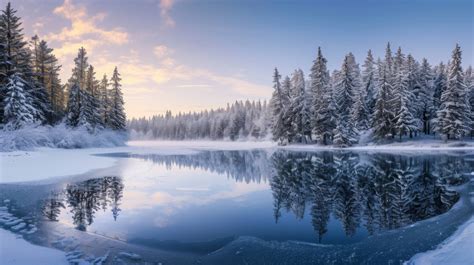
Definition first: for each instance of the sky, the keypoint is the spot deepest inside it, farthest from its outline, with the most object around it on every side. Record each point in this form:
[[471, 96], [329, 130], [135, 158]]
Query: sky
[[189, 55]]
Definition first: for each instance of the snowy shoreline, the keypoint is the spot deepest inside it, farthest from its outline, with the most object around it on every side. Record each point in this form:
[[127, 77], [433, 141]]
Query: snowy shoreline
[[78, 161]]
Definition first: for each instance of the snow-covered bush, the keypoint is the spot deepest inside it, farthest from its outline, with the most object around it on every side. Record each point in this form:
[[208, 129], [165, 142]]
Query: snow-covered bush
[[60, 136]]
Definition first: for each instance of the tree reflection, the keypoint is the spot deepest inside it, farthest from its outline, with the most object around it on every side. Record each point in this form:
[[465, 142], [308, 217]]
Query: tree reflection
[[84, 199], [380, 192]]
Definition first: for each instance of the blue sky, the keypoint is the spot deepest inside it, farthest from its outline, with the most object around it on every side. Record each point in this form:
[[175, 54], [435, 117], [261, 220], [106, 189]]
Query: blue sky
[[188, 55]]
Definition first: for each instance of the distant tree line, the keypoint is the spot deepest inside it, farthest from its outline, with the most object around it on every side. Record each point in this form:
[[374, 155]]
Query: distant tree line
[[31, 92], [395, 97], [238, 120]]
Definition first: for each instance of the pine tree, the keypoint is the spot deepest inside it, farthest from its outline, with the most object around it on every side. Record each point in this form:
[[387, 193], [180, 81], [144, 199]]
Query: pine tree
[[73, 111], [405, 123], [287, 111], [360, 113], [322, 105], [117, 113], [79, 72], [453, 117], [469, 82], [15, 59], [18, 109], [104, 101], [369, 82], [278, 102], [92, 89], [424, 98], [383, 115], [299, 109], [440, 83], [46, 73], [345, 133]]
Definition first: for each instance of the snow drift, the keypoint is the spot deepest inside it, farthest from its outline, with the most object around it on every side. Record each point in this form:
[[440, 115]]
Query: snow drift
[[60, 136]]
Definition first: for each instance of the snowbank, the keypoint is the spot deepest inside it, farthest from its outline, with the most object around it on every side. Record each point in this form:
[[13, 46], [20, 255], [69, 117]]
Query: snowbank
[[14, 250], [58, 136], [458, 249]]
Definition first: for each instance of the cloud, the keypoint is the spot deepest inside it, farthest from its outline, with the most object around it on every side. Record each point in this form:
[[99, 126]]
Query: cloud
[[165, 7], [192, 86], [135, 72], [161, 51], [84, 30]]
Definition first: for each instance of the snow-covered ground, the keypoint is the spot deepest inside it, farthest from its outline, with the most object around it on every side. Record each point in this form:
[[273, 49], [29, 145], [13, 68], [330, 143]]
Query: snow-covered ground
[[59, 136], [458, 249], [14, 250]]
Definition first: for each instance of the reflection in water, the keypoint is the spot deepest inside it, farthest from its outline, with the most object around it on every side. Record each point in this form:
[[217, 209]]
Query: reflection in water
[[85, 198], [376, 192], [243, 166], [382, 192]]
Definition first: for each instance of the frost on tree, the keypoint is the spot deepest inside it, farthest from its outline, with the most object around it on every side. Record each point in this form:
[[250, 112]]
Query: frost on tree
[[278, 104], [453, 117], [18, 110], [345, 86], [117, 112], [322, 105]]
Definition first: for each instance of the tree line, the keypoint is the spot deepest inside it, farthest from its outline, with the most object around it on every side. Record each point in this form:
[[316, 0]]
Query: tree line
[[31, 92], [395, 97], [238, 120]]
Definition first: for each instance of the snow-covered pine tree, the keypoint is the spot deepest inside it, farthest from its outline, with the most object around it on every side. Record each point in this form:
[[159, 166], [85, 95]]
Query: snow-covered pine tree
[[78, 109], [73, 110], [360, 113], [117, 113], [440, 83], [453, 118], [469, 82], [18, 108], [322, 106], [277, 103], [369, 82], [399, 72], [79, 72], [424, 97], [46, 73], [15, 58], [299, 109], [287, 113], [404, 123], [383, 115], [104, 100], [96, 107], [345, 133]]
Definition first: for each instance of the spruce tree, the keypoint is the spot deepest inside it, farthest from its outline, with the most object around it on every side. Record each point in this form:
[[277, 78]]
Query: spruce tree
[[15, 59], [18, 109], [299, 108], [369, 82], [424, 98], [117, 112], [345, 133], [46, 73], [440, 83], [453, 117], [383, 115], [322, 107], [277, 103], [73, 110], [104, 100], [404, 123]]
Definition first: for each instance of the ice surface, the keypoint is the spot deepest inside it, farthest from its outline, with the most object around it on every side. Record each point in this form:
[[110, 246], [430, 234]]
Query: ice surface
[[13, 249]]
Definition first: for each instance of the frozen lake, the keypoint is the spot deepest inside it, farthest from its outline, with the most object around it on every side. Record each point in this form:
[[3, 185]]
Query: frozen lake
[[252, 206]]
